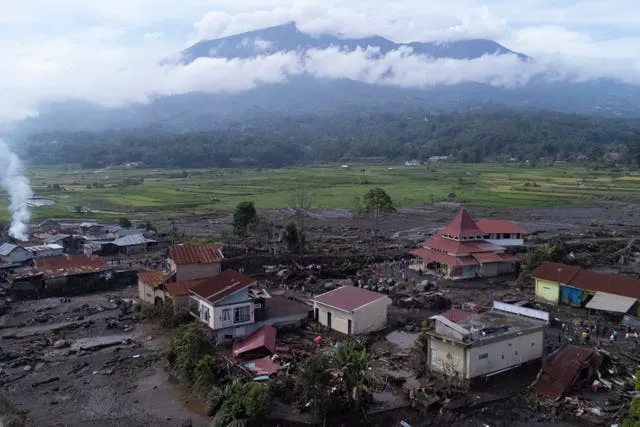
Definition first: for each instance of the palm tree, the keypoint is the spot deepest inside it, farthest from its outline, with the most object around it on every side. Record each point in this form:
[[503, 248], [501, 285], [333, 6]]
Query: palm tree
[[352, 365]]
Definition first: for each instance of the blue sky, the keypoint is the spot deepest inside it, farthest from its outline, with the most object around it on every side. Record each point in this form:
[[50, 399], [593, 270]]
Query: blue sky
[[108, 51]]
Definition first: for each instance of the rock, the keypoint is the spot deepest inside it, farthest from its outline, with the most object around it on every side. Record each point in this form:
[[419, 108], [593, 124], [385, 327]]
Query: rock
[[27, 368], [390, 282], [39, 366], [346, 282], [187, 423], [61, 344], [149, 338], [328, 285]]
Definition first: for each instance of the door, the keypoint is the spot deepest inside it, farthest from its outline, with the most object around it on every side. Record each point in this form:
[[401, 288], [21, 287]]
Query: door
[[317, 315], [329, 319], [434, 357], [349, 327]]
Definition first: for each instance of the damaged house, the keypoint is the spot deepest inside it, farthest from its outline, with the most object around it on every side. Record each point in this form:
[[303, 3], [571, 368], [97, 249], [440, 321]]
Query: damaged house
[[464, 249], [481, 345], [192, 262]]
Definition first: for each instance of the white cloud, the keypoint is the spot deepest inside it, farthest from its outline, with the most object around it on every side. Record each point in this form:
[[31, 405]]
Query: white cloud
[[109, 52]]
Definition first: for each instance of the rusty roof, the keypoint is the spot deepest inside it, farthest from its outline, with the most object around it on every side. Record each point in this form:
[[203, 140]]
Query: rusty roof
[[456, 315], [195, 254], [613, 284], [213, 289], [462, 225], [489, 226], [561, 370], [178, 289], [263, 337], [556, 272], [151, 278], [348, 298], [69, 265]]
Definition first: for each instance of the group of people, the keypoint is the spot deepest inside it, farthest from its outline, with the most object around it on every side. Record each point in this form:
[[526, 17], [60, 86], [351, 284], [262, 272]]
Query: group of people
[[586, 331]]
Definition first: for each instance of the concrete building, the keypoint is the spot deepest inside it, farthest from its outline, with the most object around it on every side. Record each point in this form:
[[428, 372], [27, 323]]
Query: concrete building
[[489, 343], [351, 310], [44, 251], [13, 254], [193, 262], [150, 287], [462, 250]]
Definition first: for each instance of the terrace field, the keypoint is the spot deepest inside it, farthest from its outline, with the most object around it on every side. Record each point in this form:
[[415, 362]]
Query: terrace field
[[164, 193]]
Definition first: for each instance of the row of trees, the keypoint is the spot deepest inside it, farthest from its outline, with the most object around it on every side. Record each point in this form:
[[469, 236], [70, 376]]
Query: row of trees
[[277, 141]]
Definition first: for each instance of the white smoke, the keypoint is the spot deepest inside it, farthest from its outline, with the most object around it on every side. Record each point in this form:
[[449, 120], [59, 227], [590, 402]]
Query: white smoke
[[14, 182]]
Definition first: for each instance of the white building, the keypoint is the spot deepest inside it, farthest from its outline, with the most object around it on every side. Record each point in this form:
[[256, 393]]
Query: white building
[[489, 343], [351, 310], [44, 251], [502, 232]]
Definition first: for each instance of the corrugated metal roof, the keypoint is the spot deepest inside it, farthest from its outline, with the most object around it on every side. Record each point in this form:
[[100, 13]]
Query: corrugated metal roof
[[56, 238], [263, 337], [444, 258], [462, 225], [213, 289], [348, 298], [456, 315], [556, 272], [195, 254], [610, 302], [151, 278], [609, 283], [70, 265], [132, 240], [178, 289], [7, 248], [489, 226], [43, 248]]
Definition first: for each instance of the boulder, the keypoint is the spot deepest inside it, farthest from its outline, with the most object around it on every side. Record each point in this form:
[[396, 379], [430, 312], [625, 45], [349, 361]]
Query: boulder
[[61, 344]]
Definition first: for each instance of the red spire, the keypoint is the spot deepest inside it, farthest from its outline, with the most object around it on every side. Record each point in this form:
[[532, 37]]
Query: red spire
[[462, 225]]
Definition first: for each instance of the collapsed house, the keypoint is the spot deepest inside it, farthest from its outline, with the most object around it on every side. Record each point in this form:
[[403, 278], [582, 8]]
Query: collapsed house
[[464, 249], [560, 283], [487, 344]]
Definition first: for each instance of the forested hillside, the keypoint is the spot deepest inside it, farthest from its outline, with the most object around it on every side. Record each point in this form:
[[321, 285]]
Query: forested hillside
[[274, 141]]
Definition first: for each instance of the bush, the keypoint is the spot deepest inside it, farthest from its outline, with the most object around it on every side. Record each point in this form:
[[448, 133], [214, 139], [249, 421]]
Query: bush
[[188, 346], [241, 401]]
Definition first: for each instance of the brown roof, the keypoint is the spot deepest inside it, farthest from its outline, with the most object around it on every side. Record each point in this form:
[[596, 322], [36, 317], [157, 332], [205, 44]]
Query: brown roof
[[195, 254], [214, 289], [561, 371], [151, 278], [489, 226], [456, 247], [348, 298], [456, 315], [462, 225], [178, 289], [69, 265], [443, 258], [556, 272], [613, 284]]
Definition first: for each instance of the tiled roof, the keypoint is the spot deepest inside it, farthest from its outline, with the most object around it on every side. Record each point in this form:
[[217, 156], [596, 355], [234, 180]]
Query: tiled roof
[[488, 258], [69, 265], [195, 254], [214, 289], [456, 247], [555, 272], [178, 289], [348, 298], [443, 258], [499, 226], [263, 337], [151, 278], [462, 225]]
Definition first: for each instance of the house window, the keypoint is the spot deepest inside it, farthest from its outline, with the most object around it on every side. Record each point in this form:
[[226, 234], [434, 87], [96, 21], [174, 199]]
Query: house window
[[204, 313], [241, 314], [483, 356], [257, 305], [226, 316]]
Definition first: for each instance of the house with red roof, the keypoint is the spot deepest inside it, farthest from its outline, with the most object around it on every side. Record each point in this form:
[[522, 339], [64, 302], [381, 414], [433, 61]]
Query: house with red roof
[[192, 262], [467, 249], [351, 310]]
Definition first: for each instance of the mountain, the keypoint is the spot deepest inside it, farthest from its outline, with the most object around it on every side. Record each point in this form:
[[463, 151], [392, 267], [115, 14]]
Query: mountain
[[287, 37], [305, 94]]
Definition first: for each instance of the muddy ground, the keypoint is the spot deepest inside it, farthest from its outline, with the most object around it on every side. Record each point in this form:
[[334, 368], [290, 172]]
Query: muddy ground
[[86, 361]]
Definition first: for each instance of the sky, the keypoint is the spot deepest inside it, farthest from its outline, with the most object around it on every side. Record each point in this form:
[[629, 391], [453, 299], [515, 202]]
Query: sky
[[109, 52]]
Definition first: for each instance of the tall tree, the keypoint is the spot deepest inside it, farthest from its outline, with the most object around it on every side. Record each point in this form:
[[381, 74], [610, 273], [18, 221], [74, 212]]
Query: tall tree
[[244, 216], [301, 202], [375, 203]]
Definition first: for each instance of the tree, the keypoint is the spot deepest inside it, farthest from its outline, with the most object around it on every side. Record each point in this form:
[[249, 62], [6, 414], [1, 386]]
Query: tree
[[315, 383], [124, 222], [377, 202], [301, 202], [244, 216], [188, 346], [352, 363], [78, 209], [291, 235], [633, 420], [240, 401]]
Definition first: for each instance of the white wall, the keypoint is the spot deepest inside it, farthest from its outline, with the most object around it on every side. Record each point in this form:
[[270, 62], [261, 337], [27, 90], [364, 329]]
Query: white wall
[[371, 317], [446, 357], [148, 294], [339, 319], [506, 242], [504, 354]]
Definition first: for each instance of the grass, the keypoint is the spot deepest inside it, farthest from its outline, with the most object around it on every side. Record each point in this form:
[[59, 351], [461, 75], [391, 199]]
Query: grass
[[166, 193]]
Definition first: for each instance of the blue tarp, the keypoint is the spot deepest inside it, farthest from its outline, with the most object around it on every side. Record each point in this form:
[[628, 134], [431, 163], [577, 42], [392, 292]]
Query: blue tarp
[[571, 296]]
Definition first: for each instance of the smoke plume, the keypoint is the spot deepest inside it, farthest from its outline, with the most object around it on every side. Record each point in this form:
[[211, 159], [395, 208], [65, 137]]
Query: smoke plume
[[14, 182]]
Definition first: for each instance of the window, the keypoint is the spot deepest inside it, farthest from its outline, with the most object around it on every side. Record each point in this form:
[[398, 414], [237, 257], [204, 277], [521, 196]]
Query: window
[[241, 314], [257, 305], [226, 316], [204, 313], [483, 356]]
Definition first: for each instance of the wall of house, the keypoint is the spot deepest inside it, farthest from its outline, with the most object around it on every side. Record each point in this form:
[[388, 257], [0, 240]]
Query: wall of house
[[48, 253], [196, 271], [547, 290], [503, 354], [236, 298], [148, 294], [284, 321], [572, 296], [371, 317], [447, 358], [496, 269], [134, 249], [18, 255], [339, 319], [180, 302], [217, 318]]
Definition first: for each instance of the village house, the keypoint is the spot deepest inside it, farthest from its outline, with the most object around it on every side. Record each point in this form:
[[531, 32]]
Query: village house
[[151, 287], [560, 283], [192, 262], [462, 250], [44, 251], [14, 254], [130, 245], [487, 344], [351, 310], [65, 240]]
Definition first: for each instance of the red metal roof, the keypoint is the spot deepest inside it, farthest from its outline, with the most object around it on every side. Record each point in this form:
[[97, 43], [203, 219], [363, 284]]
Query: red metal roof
[[488, 258], [69, 265], [151, 278], [456, 247], [561, 372], [348, 298], [195, 254], [264, 366], [178, 289], [556, 272], [213, 289], [614, 284], [443, 258], [499, 226], [462, 225], [262, 338], [456, 315]]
